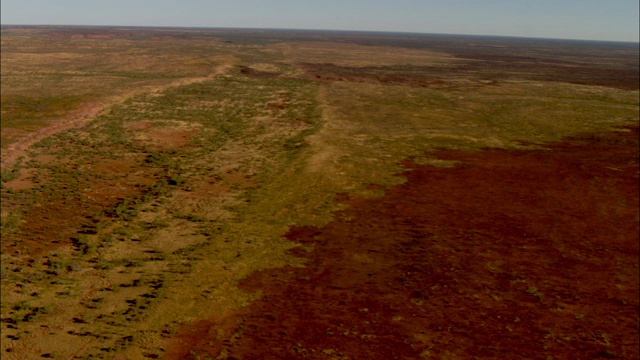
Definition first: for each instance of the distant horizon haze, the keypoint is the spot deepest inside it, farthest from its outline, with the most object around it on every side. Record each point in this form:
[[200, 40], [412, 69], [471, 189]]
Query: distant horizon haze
[[311, 30], [615, 20]]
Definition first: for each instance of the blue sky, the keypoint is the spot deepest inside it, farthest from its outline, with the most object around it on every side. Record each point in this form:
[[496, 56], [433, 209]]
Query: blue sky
[[616, 20]]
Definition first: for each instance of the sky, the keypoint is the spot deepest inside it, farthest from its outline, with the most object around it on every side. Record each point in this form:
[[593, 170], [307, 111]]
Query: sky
[[611, 20]]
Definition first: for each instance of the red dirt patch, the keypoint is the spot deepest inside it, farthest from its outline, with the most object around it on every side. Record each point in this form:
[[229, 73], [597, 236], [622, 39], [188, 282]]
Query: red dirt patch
[[161, 138], [48, 225], [509, 254], [171, 138], [23, 182]]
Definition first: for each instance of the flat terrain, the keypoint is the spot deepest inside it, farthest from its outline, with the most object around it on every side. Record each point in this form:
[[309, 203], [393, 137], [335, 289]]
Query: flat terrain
[[207, 193]]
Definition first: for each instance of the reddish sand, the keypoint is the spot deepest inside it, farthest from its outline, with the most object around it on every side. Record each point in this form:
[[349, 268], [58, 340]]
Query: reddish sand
[[508, 255]]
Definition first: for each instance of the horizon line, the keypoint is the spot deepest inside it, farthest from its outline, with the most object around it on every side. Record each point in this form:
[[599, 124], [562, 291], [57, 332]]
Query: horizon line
[[326, 30]]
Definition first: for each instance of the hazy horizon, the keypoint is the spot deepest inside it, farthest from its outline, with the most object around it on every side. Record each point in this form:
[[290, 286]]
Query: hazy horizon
[[311, 30], [570, 20]]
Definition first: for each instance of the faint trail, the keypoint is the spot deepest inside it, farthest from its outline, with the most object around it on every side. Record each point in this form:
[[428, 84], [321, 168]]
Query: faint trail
[[89, 111]]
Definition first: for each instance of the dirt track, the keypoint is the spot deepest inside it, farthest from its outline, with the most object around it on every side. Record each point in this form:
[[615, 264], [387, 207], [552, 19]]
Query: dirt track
[[88, 112], [509, 254]]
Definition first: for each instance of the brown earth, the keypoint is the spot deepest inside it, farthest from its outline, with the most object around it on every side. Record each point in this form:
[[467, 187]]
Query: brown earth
[[23, 140], [164, 138], [43, 230], [528, 254], [85, 113], [625, 78], [480, 71]]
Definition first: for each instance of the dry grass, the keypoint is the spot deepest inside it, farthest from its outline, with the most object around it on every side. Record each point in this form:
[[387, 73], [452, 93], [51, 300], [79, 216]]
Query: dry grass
[[144, 215]]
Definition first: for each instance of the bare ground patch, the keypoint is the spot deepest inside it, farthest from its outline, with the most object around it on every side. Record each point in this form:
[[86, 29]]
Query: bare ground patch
[[498, 256]]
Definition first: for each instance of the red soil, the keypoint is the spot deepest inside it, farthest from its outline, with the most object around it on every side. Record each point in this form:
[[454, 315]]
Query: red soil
[[510, 255], [46, 228]]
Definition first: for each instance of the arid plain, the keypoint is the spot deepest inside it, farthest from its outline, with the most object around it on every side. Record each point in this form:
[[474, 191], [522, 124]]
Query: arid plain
[[263, 194]]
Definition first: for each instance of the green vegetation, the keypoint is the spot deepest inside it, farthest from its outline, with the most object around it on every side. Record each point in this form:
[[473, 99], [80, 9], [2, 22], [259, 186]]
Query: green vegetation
[[202, 169]]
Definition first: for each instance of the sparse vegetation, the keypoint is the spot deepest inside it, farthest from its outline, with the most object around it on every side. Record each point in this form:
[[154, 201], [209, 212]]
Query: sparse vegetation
[[197, 155]]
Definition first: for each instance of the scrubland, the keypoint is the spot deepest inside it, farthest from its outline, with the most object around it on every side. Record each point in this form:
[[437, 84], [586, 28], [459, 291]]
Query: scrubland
[[145, 172]]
